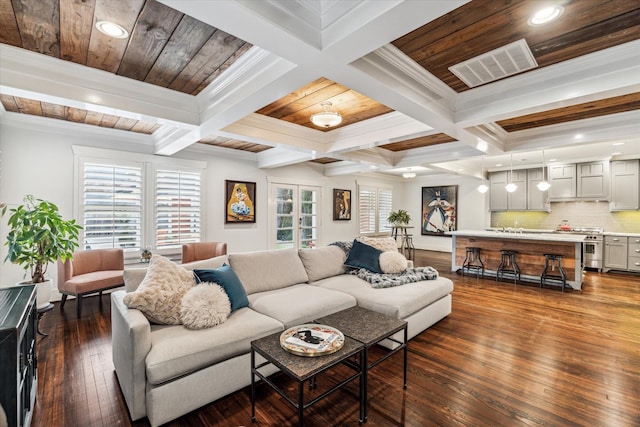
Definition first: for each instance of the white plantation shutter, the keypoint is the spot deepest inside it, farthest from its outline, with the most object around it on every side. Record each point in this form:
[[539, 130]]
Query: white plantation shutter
[[374, 206], [177, 208], [112, 206]]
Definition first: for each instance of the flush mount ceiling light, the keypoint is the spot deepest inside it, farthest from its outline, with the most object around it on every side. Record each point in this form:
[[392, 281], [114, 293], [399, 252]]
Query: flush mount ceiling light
[[112, 29], [409, 175], [326, 118], [546, 15]]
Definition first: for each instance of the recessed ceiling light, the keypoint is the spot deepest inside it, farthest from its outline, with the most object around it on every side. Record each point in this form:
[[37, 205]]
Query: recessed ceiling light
[[552, 160], [112, 29], [498, 165], [546, 15], [616, 153], [618, 143]]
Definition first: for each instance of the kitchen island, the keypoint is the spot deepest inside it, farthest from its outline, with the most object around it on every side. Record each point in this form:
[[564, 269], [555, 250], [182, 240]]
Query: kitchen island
[[530, 247]]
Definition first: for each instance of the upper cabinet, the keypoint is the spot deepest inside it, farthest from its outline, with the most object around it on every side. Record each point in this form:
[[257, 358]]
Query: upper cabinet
[[624, 185], [593, 180], [563, 182], [526, 197]]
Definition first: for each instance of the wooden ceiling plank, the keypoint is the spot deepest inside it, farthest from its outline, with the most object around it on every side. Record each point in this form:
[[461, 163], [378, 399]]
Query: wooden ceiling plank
[[185, 42], [209, 58], [93, 118], [143, 127], [125, 123], [105, 53], [9, 33], [225, 65], [287, 108], [9, 103], [585, 110], [151, 33], [424, 141], [306, 91], [28, 106], [76, 23], [54, 111], [39, 24], [108, 121], [75, 114]]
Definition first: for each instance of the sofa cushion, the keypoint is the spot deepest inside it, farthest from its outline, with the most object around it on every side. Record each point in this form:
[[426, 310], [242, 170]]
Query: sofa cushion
[[300, 303], [398, 301], [204, 306], [161, 291], [383, 243], [323, 262], [266, 270], [134, 276], [364, 256], [176, 351], [225, 277]]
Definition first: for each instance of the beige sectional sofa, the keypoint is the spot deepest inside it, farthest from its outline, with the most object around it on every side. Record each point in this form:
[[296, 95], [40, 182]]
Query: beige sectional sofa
[[167, 371]]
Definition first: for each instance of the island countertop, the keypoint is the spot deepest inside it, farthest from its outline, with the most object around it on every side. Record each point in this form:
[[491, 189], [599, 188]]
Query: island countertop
[[550, 237]]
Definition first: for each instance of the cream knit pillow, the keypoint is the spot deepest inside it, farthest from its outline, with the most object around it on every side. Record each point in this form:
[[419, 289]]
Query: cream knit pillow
[[161, 291], [204, 306], [392, 262], [382, 243]]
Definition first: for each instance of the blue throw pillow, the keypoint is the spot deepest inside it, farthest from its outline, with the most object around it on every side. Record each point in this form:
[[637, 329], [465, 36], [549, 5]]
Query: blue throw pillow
[[364, 256], [227, 278]]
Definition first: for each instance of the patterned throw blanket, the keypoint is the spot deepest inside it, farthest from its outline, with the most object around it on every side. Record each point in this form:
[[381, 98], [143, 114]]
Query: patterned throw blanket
[[410, 275]]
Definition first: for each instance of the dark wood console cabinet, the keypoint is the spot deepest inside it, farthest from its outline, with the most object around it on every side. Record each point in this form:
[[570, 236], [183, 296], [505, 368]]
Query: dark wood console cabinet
[[18, 369]]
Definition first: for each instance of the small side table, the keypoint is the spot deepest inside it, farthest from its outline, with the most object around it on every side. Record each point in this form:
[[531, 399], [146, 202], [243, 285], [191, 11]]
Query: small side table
[[41, 312]]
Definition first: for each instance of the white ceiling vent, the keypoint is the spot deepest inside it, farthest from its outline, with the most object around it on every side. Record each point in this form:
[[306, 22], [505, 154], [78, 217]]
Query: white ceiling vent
[[505, 61]]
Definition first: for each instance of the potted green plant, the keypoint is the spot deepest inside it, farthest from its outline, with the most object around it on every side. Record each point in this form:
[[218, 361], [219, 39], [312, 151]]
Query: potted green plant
[[38, 235], [399, 217]]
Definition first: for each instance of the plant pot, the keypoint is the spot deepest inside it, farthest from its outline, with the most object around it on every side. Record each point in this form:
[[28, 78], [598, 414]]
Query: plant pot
[[43, 292]]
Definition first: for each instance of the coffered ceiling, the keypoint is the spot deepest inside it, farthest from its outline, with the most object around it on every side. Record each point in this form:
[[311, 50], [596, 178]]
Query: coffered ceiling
[[245, 76]]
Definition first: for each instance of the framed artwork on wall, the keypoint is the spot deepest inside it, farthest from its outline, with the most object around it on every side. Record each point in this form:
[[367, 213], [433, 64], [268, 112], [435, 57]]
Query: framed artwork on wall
[[341, 205], [239, 203], [439, 210]]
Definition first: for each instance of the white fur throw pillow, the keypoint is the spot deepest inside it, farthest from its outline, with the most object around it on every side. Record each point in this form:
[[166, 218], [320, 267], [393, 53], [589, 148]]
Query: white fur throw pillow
[[392, 262], [204, 306], [161, 291], [382, 243]]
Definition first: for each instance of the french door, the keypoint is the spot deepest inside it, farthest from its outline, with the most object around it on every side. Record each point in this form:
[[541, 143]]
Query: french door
[[295, 216]]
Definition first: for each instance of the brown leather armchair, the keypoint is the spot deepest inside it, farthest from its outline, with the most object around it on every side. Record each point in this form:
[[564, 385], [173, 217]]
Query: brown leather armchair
[[202, 250], [88, 272]]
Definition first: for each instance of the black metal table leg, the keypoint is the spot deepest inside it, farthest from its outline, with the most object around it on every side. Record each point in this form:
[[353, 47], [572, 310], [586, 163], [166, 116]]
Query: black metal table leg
[[253, 385]]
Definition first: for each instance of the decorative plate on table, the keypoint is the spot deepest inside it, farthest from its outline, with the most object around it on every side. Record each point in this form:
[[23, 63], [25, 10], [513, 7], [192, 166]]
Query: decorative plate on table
[[312, 340]]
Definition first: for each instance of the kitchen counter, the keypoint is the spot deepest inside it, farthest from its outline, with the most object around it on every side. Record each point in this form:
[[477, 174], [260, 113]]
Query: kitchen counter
[[530, 248], [611, 233]]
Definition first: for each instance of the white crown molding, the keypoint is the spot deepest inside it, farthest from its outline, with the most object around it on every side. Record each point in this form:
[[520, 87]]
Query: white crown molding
[[611, 72], [48, 79]]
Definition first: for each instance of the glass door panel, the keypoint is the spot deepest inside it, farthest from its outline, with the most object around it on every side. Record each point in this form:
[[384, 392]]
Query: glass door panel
[[296, 211]]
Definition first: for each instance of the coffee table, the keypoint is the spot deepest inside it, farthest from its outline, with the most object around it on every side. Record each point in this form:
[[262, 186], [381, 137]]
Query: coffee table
[[301, 369], [369, 328]]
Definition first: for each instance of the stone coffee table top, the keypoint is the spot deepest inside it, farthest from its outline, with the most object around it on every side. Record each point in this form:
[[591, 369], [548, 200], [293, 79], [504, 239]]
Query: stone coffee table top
[[363, 325]]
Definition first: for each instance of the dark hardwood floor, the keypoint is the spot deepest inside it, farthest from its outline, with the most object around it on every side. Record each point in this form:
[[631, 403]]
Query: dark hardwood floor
[[507, 355]]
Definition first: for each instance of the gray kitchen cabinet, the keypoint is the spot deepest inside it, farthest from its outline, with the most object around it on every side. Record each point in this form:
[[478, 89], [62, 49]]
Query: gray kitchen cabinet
[[633, 263], [615, 253], [625, 180], [593, 180], [536, 200], [498, 194], [563, 182], [517, 201]]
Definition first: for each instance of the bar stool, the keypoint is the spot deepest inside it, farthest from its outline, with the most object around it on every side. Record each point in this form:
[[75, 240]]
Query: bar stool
[[508, 265], [407, 245], [551, 262], [472, 261]]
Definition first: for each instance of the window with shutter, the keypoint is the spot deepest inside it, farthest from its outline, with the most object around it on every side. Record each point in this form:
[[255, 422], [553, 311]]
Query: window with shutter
[[177, 208], [112, 206], [374, 206]]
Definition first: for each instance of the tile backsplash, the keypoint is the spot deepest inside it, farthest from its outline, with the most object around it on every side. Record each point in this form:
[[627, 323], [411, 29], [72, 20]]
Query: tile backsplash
[[583, 214]]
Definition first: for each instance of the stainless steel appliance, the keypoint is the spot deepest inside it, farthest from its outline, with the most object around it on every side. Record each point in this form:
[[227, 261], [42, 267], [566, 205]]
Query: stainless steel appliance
[[592, 247]]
